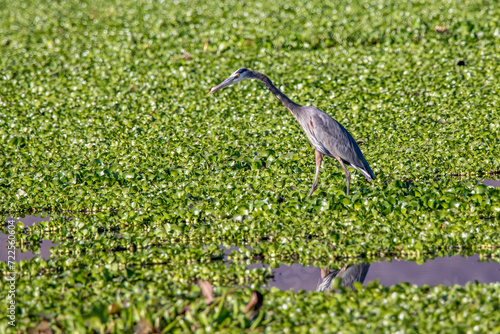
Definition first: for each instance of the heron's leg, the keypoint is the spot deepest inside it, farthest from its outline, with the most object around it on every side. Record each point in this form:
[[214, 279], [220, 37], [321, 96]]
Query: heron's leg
[[324, 272], [347, 174], [319, 160], [344, 268]]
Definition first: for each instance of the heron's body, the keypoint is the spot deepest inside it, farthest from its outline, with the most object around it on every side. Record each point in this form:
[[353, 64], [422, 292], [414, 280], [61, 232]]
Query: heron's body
[[330, 138], [327, 136]]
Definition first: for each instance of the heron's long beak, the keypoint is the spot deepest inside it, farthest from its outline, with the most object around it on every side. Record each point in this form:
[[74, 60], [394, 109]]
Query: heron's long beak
[[223, 84]]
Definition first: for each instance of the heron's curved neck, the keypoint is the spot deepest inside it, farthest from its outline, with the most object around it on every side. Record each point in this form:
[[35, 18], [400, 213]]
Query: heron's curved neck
[[289, 104]]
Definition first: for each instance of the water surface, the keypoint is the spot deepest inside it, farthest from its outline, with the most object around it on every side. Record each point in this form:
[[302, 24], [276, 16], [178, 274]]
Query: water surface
[[45, 245], [493, 183], [443, 270]]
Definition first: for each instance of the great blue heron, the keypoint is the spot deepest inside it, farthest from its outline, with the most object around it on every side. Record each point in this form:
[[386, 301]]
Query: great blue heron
[[349, 275], [327, 135]]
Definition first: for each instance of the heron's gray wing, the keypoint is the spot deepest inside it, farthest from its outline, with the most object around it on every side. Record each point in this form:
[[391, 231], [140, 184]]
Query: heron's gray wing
[[353, 274], [337, 141]]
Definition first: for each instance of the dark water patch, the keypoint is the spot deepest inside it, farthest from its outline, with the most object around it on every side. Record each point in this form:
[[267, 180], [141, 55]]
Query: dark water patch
[[232, 248], [228, 249], [493, 183], [443, 270], [29, 221], [7, 254]]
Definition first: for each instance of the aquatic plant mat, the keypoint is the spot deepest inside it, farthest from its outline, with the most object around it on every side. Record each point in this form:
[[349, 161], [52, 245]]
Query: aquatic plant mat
[[106, 126]]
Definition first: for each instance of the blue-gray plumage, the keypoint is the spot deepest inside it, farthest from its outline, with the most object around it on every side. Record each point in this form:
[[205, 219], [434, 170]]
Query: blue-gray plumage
[[348, 274], [328, 136]]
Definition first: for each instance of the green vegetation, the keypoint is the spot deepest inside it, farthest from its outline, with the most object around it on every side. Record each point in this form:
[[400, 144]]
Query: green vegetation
[[106, 125]]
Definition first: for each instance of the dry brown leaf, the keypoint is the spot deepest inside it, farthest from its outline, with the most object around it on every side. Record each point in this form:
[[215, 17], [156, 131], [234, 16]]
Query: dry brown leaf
[[143, 327], [42, 328], [205, 47], [208, 291], [441, 29]]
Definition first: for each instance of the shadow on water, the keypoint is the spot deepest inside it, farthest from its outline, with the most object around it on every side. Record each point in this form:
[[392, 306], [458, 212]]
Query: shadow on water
[[45, 245], [443, 270]]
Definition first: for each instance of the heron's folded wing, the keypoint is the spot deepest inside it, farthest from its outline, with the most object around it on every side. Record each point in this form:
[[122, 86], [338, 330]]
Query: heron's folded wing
[[338, 141]]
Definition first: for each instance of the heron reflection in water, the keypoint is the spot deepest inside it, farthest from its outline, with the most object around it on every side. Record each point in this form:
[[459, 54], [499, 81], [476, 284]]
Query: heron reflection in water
[[349, 275]]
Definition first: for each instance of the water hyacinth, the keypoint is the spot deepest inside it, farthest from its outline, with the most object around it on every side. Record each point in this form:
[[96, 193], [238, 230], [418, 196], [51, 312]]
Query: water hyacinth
[[107, 128]]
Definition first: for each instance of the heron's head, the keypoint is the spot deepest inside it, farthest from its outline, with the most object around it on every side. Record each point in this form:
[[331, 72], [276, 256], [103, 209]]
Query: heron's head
[[237, 76]]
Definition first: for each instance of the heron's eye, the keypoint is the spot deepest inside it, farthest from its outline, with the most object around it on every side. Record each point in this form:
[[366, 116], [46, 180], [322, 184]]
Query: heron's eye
[[237, 75]]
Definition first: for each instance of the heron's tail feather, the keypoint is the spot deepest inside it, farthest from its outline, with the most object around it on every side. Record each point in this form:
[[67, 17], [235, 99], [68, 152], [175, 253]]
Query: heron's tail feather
[[368, 174]]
